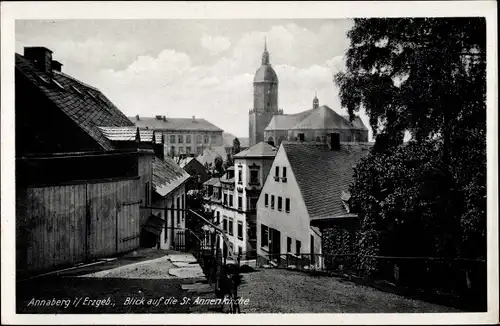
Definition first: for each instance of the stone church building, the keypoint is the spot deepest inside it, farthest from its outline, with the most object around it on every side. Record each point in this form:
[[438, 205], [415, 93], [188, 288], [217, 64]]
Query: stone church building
[[268, 123]]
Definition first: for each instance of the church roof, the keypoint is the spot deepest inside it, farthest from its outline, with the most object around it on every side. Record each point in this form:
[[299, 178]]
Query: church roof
[[177, 124], [317, 119], [265, 73], [286, 121], [323, 118]]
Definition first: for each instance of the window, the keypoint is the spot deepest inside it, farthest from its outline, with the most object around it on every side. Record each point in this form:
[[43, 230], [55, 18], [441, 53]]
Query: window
[[205, 139], [218, 219], [264, 236], [266, 200], [172, 150], [199, 150], [284, 174], [180, 139], [240, 230], [213, 138], [297, 247], [147, 194], [240, 203], [198, 139], [224, 224], [172, 139], [240, 251], [178, 211], [287, 205], [318, 139], [188, 139], [301, 137], [280, 203], [288, 244], [272, 201], [180, 150], [231, 226], [252, 204], [277, 172], [225, 199], [254, 176], [240, 176], [183, 206], [230, 200], [188, 150]]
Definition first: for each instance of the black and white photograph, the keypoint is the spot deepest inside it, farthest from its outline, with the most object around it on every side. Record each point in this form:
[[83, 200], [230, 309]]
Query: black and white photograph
[[264, 162]]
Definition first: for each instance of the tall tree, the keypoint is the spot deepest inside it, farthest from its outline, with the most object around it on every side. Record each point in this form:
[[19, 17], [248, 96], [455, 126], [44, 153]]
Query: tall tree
[[236, 146], [426, 77]]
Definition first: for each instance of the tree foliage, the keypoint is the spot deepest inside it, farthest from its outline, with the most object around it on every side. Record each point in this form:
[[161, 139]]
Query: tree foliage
[[236, 146], [218, 167], [426, 77]]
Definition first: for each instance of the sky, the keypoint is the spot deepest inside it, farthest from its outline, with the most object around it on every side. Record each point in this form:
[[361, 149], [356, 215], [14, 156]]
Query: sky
[[202, 68]]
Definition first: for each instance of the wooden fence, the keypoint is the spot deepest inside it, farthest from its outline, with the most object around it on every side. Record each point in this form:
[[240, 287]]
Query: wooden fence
[[68, 224]]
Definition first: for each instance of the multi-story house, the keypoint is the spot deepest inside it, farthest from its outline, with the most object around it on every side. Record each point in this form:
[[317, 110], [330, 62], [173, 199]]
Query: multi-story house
[[232, 199], [306, 190], [182, 135]]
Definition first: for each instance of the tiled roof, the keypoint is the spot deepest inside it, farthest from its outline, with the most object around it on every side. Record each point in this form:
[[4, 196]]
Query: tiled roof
[[180, 124], [357, 122], [324, 175], [167, 175], [261, 149], [129, 133], [212, 182], [286, 121], [83, 104], [209, 154], [321, 118], [184, 161]]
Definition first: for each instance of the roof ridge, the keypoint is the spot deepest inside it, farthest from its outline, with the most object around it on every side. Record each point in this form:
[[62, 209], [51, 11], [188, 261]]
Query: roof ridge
[[77, 80]]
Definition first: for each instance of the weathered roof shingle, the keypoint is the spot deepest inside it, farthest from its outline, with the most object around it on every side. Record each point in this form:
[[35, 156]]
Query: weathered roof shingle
[[167, 175], [323, 174], [261, 149], [84, 104], [179, 124]]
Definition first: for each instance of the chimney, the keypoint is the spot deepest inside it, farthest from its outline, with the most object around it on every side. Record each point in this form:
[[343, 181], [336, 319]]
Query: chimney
[[194, 119], [164, 118], [41, 58], [159, 117], [137, 118], [56, 65], [334, 141]]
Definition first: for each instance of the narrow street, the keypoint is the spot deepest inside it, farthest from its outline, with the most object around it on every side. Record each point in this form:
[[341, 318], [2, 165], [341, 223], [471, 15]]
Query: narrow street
[[153, 281]]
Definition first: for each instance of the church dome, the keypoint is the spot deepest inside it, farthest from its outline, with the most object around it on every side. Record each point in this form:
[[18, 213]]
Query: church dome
[[265, 73]]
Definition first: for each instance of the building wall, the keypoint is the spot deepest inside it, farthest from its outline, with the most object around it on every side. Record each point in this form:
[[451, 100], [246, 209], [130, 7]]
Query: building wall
[[258, 121], [145, 184], [173, 219], [68, 224], [346, 135], [197, 141], [265, 96], [277, 136], [294, 224]]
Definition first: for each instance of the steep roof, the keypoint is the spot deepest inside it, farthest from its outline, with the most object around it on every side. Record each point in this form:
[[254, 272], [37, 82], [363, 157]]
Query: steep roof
[[209, 154], [323, 174], [83, 104], [286, 121], [323, 118], [178, 124], [265, 74], [167, 175], [261, 149]]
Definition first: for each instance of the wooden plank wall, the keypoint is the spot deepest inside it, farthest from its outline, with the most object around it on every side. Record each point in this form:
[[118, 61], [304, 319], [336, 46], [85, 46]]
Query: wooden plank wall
[[61, 225], [53, 226]]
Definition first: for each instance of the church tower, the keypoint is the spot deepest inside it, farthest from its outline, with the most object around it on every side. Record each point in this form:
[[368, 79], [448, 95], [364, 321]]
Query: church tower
[[265, 99]]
